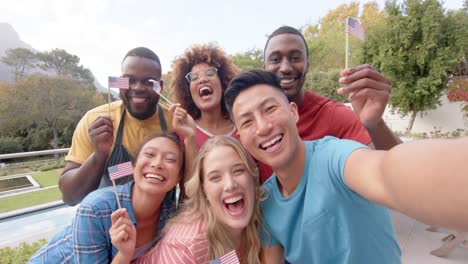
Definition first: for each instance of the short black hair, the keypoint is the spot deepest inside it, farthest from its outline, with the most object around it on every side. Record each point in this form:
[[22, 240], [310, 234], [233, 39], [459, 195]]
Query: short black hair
[[246, 80], [286, 30], [143, 53]]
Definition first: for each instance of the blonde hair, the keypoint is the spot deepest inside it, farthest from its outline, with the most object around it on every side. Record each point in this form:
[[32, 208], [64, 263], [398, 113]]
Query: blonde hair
[[198, 207]]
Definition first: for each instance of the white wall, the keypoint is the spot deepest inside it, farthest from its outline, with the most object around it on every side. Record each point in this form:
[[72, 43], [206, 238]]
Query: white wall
[[447, 118]]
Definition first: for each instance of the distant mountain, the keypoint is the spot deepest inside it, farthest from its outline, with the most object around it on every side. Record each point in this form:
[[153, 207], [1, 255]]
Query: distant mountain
[[10, 39]]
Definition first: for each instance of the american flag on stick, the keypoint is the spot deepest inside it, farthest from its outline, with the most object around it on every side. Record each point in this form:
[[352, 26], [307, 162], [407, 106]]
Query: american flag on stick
[[229, 258], [118, 82], [120, 170], [353, 27]]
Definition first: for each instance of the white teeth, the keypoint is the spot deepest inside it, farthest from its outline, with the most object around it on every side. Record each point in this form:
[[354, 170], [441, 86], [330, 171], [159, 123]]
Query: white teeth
[[154, 176], [233, 199], [205, 90], [286, 81], [271, 142], [138, 99]]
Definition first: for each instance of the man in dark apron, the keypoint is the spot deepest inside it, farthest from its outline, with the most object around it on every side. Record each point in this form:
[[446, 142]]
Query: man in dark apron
[[128, 120]]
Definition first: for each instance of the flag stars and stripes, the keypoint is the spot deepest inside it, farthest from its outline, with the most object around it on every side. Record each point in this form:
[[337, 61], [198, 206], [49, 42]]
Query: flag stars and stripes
[[118, 82], [120, 170], [229, 258], [355, 28]]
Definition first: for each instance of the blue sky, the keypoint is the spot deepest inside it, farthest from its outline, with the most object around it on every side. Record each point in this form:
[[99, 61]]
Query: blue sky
[[100, 32]]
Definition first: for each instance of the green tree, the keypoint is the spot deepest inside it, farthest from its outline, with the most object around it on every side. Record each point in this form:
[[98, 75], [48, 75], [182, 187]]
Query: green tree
[[47, 103], [20, 60], [10, 145], [325, 84], [456, 30], [326, 40], [249, 60], [412, 50], [63, 63]]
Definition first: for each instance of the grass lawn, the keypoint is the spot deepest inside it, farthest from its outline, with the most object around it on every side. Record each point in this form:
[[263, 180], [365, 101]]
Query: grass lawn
[[29, 199], [46, 178]]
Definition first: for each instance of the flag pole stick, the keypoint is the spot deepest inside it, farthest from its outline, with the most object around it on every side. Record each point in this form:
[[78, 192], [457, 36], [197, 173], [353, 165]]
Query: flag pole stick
[[347, 44], [109, 99], [165, 99], [116, 195]]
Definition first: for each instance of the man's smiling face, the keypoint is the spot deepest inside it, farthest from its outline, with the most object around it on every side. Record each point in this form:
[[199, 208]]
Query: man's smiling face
[[266, 122], [140, 99], [286, 56]]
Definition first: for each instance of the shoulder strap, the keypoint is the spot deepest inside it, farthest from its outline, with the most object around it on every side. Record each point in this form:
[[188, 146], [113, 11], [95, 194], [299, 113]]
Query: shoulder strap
[[162, 121]]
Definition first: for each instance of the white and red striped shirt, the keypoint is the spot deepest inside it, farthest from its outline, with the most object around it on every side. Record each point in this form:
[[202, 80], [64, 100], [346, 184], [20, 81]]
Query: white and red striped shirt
[[181, 244]]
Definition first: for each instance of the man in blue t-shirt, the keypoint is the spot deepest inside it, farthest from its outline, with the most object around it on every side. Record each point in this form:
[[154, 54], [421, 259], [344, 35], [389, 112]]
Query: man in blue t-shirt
[[322, 203]]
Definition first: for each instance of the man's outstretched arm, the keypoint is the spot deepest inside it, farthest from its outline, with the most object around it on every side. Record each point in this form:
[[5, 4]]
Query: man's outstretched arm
[[425, 179]]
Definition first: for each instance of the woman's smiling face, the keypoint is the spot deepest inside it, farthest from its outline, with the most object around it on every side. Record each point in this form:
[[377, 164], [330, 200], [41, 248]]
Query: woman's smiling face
[[229, 187]]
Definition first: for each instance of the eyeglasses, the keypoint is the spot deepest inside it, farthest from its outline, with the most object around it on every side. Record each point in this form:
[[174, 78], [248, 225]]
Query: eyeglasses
[[208, 73], [147, 83]]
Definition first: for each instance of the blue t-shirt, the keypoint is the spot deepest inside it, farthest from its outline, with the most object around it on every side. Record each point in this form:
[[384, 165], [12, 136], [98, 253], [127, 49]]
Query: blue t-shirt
[[87, 240], [324, 221]]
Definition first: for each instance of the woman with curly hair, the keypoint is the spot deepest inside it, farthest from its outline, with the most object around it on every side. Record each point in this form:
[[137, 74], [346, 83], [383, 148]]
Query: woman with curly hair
[[222, 212], [200, 77]]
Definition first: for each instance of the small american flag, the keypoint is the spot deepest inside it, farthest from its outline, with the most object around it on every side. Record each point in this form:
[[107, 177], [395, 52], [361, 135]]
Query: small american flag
[[355, 28], [229, 258], [120, 170], [118, 82]]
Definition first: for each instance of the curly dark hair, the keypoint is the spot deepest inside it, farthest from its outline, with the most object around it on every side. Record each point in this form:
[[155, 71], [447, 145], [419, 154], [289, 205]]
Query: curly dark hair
[[206, 53]]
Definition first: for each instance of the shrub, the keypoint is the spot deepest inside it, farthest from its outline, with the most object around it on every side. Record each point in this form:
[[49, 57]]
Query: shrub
[[10, 145], [21, 253]]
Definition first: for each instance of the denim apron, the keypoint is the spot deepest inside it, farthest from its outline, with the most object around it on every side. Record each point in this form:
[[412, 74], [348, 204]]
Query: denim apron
[[120, 154]]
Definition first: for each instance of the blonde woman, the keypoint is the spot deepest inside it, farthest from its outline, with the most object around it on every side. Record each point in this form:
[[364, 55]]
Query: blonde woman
[[221, 213]]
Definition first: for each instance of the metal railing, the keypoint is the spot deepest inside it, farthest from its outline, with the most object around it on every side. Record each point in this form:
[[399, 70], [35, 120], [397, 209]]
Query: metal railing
[[33, 153], [25, 211]]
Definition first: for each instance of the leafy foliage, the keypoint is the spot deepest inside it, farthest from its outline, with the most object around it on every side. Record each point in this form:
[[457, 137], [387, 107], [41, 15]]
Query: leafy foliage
[[326, 40], [44, 106], [64, 63], [458, 89], [325, 84], [20, 254], [10, 145], [456, 31], [20, 60], [411, 48], [249, 60]]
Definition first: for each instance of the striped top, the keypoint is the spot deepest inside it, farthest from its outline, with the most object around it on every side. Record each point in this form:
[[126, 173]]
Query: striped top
[[181, 244]]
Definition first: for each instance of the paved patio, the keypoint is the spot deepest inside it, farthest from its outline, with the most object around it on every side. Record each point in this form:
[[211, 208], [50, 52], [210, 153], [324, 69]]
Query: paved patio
[[416, 243]]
